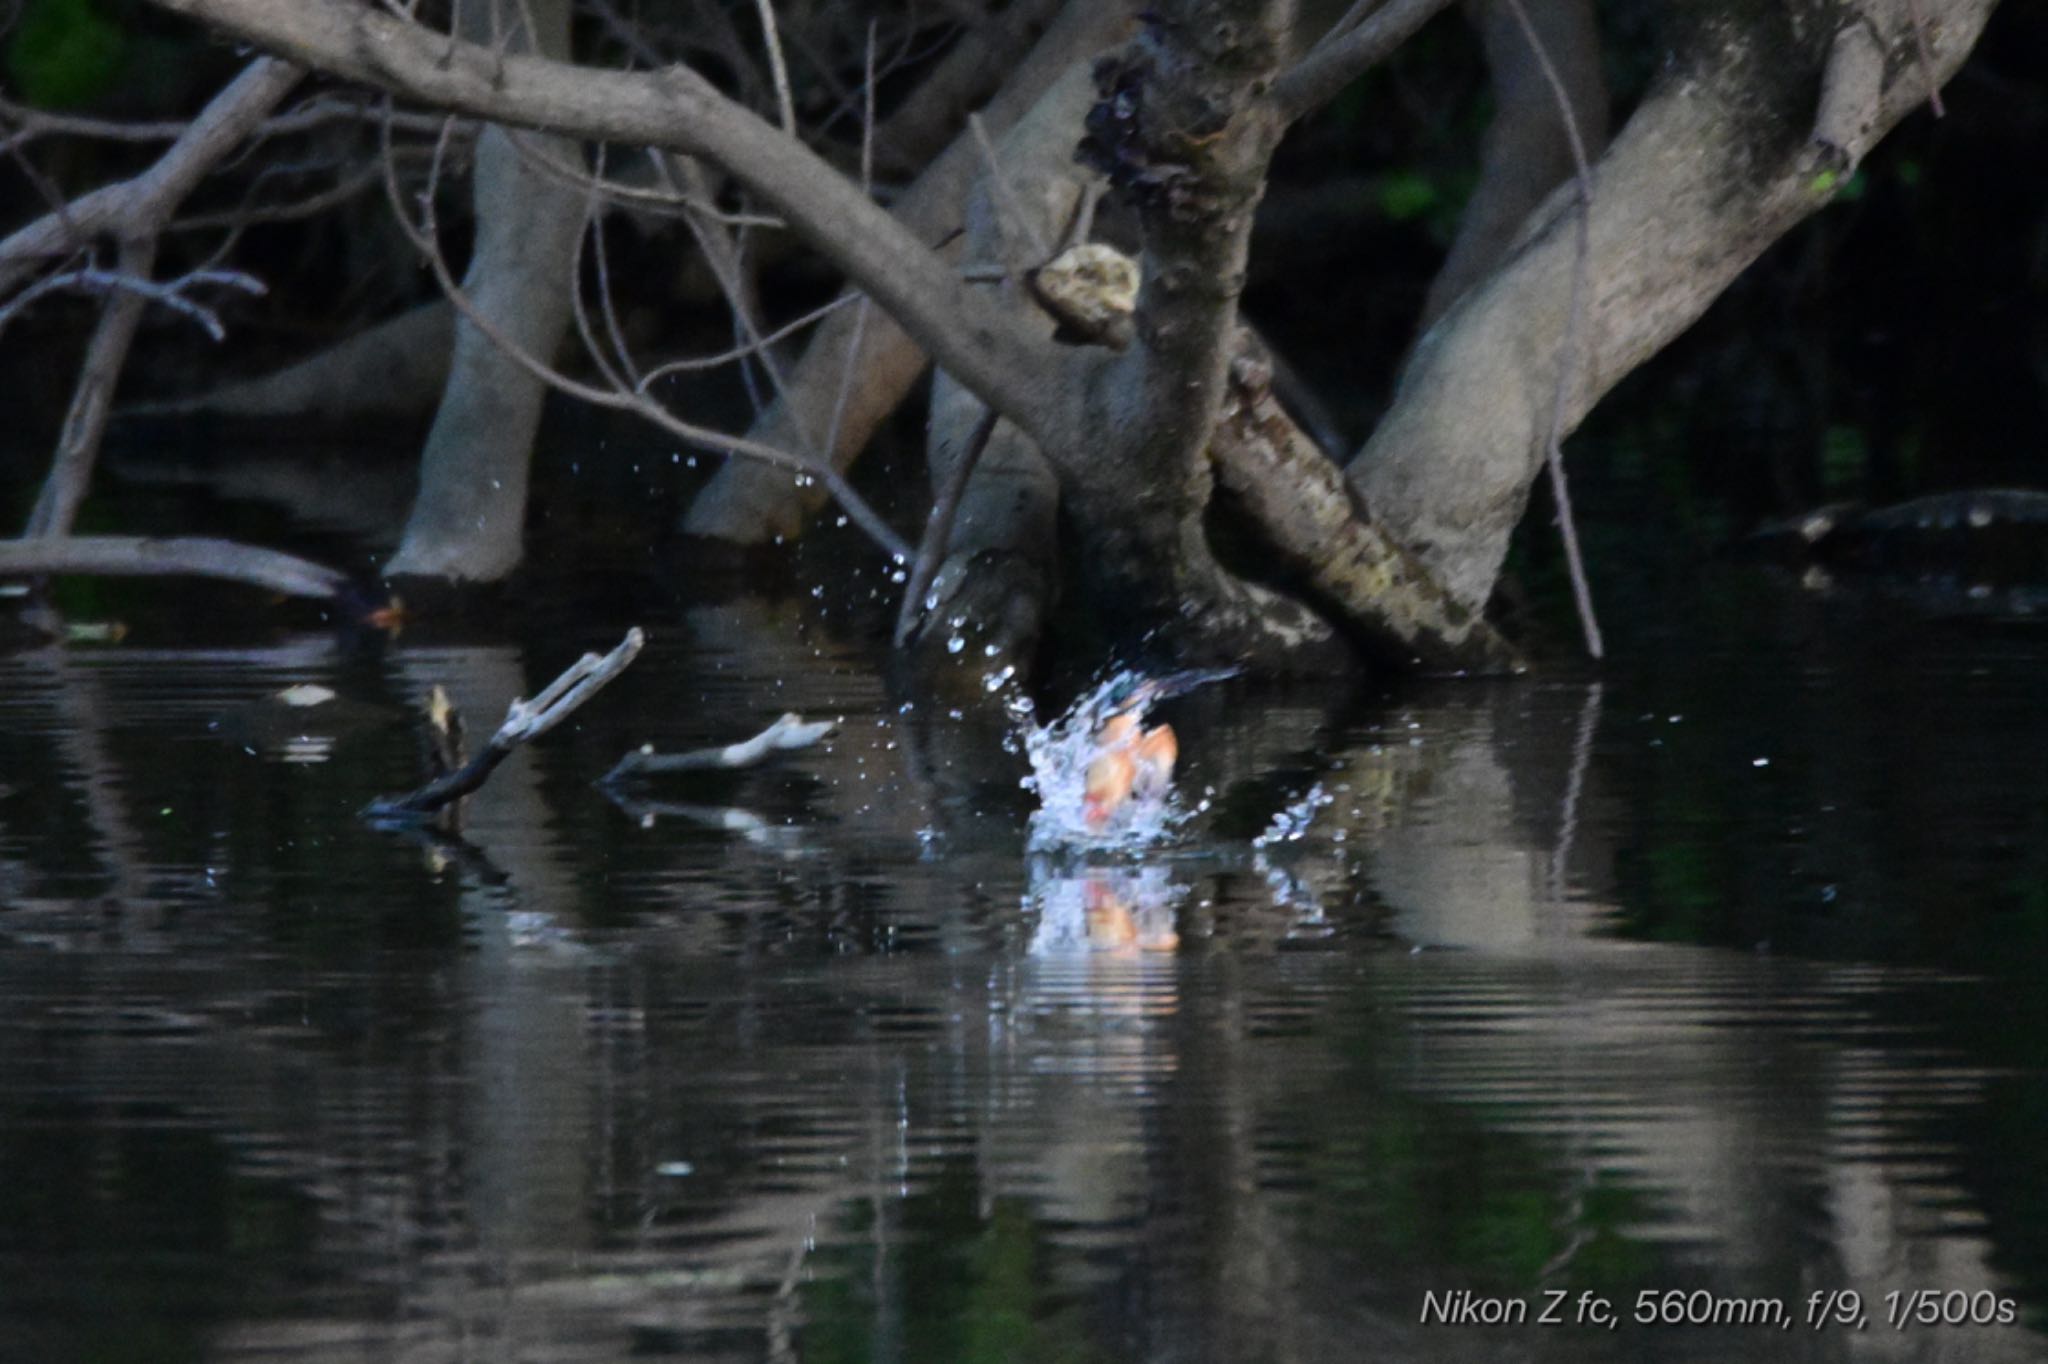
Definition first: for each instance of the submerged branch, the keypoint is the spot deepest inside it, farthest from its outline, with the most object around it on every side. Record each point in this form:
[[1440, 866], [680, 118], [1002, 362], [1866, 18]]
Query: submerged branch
[[789, 732], [524, 722]]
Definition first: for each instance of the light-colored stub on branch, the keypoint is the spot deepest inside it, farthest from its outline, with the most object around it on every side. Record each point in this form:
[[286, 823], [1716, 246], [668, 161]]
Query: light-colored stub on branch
[[788, 733]]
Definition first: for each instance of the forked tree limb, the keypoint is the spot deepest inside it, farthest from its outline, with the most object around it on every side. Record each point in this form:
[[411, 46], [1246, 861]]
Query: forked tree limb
[[143, 205], [135, 212], [525, 721]]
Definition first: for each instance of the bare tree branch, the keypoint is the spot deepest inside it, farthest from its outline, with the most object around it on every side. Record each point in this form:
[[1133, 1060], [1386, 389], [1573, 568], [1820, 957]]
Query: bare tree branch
[[171, 293], [788, 733], [1329, 67], [777, 66], [938, 534], [120, 556], [424, 236], [141, 206], [677, 109]]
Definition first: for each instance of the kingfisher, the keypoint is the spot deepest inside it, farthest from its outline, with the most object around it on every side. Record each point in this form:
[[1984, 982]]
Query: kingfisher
[[1132, 762]]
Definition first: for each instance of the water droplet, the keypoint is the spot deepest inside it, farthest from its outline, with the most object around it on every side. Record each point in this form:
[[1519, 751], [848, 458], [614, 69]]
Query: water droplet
[[955, 645]]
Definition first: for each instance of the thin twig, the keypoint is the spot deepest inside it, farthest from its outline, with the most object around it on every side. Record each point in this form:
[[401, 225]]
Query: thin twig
[[732, 353], [1568, 348], [660, 203], [33, 124], [999, 185], [850, 367], [423, 236], [938, 531], [593, 228], [777, 67], [171, 293]]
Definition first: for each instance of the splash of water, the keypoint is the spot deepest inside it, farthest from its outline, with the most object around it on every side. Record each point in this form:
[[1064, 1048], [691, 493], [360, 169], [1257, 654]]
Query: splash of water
[[1061, 751]]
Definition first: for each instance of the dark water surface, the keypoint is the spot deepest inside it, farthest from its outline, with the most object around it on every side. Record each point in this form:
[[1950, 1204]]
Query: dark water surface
[[1718, 975]]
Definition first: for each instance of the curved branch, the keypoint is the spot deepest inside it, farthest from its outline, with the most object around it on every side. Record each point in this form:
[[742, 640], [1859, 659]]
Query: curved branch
[[124, 556], [677, 109]]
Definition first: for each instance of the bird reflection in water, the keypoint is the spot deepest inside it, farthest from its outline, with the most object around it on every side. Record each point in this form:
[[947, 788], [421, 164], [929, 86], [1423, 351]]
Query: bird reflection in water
[[1115, 910]]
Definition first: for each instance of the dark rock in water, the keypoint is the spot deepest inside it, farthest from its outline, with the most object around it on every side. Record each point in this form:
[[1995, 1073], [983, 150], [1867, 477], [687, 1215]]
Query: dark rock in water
[[1983, 536]]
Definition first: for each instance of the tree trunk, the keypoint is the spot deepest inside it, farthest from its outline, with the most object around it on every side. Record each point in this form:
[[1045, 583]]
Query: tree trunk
[[469, 519], [1722, 158]]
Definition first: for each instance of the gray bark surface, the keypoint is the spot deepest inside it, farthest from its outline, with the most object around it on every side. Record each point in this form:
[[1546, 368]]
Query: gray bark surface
[[468, 521]]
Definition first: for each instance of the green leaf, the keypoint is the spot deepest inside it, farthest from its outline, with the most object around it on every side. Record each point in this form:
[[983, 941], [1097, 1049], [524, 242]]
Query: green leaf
[[1405, 195]]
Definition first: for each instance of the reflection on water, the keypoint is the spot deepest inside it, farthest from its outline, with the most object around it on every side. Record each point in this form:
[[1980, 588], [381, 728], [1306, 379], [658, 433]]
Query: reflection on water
[[1716, 975]]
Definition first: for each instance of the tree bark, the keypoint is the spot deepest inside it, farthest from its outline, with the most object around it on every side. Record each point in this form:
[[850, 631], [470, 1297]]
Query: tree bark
[[1723, 157], [468, 521], [121, 556], [1183, 125]]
